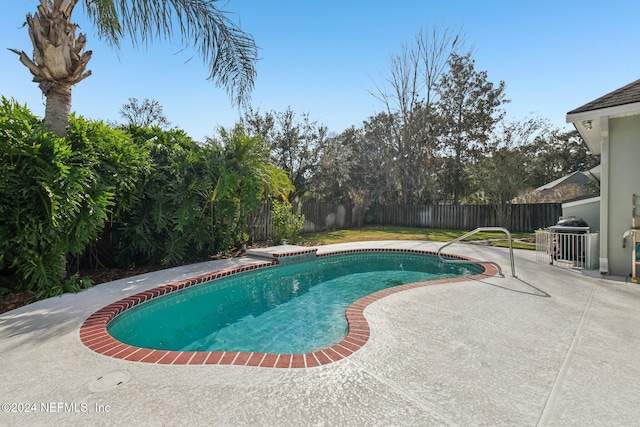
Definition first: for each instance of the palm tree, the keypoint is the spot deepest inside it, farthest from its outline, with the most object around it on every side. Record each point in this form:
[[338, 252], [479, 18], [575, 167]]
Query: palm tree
[[60, 60]]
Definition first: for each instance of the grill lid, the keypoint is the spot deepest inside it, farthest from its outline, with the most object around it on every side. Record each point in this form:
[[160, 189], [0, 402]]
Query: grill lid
[[572, 222]]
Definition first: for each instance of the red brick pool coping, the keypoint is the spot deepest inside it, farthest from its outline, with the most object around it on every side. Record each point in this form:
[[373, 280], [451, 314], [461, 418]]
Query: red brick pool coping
[[93, 332]]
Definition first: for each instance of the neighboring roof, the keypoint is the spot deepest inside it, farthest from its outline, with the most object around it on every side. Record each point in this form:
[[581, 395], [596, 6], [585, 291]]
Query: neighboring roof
[[595, 172], [569, 186], [573, 178], [628, 94]]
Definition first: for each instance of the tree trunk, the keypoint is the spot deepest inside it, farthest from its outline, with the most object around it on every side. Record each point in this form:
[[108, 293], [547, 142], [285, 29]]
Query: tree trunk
[[57, 109], [58, 61]]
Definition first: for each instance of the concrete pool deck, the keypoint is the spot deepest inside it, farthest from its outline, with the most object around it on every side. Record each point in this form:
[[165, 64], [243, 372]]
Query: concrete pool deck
[[550, 347]]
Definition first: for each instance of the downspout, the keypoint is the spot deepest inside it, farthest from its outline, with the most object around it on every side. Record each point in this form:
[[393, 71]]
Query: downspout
[[604, 195]]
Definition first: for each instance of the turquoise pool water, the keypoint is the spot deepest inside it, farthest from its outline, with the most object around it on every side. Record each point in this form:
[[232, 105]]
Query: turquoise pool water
[[296, 308]]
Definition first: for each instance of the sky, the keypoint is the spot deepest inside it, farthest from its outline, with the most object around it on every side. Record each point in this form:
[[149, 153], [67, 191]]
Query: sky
[[325, 58]]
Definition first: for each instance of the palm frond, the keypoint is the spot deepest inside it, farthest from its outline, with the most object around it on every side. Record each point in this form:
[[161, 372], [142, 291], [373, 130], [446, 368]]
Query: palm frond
[[228, 52], [105, 17]]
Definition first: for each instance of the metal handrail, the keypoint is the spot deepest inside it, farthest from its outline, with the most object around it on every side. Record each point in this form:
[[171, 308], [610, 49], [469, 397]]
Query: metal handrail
[[464, 261]]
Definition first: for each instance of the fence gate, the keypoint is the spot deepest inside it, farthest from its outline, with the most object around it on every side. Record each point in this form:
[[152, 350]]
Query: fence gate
[[567, 249]]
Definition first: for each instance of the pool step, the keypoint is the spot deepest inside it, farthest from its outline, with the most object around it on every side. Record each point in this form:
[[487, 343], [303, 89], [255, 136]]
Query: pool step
[[284, 253]]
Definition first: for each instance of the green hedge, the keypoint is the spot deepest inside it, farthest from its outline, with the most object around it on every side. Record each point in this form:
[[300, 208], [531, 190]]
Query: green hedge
[[120, 197], [56, 195]]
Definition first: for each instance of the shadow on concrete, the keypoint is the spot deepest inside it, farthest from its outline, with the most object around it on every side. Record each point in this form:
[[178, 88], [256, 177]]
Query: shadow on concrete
[[527, 289]]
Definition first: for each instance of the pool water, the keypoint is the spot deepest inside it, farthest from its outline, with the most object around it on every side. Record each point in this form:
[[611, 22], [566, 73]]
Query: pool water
[[296, 308]]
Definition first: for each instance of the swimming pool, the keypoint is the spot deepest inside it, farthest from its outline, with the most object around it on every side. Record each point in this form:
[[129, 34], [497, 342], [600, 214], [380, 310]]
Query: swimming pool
[[296, 309]]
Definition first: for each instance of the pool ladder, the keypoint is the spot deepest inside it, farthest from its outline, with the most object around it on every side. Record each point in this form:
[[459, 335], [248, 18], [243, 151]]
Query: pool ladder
[[464, 261]]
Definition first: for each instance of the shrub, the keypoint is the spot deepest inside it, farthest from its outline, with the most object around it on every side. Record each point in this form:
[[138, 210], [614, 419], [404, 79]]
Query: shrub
[[166, 225], [197, 199], [55, 195], [286, 223]]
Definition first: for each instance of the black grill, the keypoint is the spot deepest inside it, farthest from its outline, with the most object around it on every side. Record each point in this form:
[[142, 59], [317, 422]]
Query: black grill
[[567, 244], [571, 222]]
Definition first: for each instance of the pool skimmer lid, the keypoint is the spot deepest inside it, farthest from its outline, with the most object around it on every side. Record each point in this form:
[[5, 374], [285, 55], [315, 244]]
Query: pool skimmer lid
[[109, 381]]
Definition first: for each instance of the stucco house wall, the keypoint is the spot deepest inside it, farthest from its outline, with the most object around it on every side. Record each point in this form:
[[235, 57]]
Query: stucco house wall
[[610, 126], [587, 209], [624, 181]]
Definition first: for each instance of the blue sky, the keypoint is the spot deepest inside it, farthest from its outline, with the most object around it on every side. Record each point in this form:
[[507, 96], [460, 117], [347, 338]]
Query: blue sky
[[325, 58]]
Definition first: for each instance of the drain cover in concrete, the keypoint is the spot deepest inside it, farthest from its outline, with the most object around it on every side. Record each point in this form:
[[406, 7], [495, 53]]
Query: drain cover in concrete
[[109, 381]]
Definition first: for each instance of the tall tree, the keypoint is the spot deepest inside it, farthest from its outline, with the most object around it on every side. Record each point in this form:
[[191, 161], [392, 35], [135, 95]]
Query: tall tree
[[60, 61], [557, 153], [385, 159], [409, 95], [469, 106], [295, 143], [348, 172], [502, 169], [144, 114]]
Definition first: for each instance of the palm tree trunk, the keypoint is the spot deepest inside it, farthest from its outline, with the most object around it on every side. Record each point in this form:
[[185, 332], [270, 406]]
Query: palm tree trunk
[[58, 108], [59, 60]]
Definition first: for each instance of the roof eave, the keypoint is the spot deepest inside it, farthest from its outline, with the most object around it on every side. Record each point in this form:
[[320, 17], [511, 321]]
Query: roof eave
[[587, 123], [631, 109]]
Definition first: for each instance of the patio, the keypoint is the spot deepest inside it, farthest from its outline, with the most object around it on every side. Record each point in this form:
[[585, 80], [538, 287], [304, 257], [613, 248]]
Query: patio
[[550, 347]]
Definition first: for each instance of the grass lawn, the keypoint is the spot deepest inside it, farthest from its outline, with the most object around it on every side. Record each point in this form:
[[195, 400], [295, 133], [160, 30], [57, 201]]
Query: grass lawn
[[369, 233]]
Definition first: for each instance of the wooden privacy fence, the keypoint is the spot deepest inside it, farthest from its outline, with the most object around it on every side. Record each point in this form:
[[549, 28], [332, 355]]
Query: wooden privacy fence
[[515, 217], [328, 216], [318, 217]]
